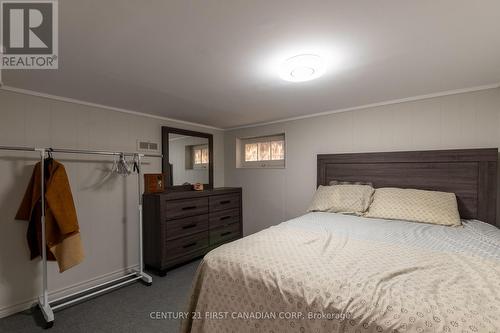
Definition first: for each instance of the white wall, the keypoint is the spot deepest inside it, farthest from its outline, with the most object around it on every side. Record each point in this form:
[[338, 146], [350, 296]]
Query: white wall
[[270, 196], [107, 210]]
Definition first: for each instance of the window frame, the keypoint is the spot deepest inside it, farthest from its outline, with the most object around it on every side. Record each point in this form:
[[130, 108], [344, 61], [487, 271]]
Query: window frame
[[194, 165], [268, 164]]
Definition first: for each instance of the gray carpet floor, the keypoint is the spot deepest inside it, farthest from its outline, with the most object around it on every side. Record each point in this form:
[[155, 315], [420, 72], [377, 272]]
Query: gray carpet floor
[[124, 310]]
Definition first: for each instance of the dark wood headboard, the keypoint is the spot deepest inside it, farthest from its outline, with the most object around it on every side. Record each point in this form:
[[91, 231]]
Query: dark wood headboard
[[469, 173]]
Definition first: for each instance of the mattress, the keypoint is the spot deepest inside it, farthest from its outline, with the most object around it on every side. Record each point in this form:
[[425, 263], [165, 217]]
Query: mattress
[[326, 272]]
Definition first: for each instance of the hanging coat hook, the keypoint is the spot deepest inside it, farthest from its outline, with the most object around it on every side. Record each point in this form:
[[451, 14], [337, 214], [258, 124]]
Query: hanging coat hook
[[123, 168], [49, 152], [136, 163]]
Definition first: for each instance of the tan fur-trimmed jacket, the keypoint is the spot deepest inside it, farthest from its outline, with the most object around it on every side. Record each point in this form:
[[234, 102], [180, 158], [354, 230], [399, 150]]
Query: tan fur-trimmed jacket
[[64, 243]]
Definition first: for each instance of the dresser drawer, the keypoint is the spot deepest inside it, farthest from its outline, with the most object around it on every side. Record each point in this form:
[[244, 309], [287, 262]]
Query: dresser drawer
[[186, 226], [224, 218], [224, 234], [175, 209], [185, 245], [226, 201]]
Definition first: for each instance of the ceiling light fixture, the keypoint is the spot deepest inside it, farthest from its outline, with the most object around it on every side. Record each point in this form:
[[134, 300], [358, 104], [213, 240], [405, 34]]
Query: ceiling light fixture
[[303, 67]]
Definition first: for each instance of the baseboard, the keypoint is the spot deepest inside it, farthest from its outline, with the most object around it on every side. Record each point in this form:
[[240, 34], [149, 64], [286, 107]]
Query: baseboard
[[12, 309]]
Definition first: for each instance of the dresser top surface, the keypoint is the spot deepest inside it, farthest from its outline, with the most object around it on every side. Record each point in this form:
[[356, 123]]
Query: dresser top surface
[[194, 194]]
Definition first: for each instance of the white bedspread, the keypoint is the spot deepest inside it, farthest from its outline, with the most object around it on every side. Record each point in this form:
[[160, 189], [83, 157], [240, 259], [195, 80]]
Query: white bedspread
[[325, 272]]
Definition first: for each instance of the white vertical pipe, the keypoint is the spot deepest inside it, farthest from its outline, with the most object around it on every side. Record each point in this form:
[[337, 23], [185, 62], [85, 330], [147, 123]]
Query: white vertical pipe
[[44, 241], [139, 178]]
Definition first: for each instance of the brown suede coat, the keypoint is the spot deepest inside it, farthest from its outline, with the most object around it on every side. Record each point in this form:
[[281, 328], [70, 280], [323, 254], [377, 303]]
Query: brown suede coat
[[61, 224]]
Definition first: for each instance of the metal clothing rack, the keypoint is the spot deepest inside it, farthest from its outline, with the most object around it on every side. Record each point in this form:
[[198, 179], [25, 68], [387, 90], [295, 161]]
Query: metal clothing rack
[[47, 306]]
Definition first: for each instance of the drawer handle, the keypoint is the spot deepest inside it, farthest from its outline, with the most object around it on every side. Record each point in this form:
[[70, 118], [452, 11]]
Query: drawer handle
[[189, 208], [189, 226], [226, 233], [225, 202], [189, 245], [225, 218]]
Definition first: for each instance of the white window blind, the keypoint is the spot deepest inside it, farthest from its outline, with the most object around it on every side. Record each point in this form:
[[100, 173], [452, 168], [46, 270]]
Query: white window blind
[[262, 152], [197, 157]]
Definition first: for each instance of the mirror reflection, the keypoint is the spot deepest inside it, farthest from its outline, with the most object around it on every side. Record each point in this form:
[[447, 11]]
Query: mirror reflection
[[188, 158]]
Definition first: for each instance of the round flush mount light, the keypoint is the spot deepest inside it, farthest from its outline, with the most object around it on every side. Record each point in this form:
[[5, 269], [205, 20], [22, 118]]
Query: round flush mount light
[[303, 67]]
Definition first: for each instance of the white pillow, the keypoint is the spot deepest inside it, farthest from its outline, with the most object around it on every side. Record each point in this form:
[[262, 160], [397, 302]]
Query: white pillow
[[415, 205], [349, 199]]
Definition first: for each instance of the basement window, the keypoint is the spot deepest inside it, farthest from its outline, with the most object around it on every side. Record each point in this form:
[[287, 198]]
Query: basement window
[[261, 152], [197, 157]]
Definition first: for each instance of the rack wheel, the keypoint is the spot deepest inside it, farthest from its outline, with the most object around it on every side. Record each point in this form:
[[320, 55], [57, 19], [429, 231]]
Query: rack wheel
[[147, 284], [44, 324]]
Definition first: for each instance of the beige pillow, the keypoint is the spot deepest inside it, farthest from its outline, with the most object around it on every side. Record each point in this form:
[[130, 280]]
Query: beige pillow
[[342, 199], [415, 205]]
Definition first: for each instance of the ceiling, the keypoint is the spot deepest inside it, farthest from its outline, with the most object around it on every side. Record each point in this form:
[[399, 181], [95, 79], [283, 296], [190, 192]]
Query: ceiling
[[214, 62]]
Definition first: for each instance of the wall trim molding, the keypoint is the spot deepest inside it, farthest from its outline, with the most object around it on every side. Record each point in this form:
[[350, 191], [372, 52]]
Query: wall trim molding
[[101, 106], [277, 121], [27, 304], [373, 105]]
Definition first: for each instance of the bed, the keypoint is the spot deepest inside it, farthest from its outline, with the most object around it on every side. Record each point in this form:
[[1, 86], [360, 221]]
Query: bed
[[326, 272]]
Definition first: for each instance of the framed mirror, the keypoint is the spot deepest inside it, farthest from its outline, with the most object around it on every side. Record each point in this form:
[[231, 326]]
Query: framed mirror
[[187, 158]]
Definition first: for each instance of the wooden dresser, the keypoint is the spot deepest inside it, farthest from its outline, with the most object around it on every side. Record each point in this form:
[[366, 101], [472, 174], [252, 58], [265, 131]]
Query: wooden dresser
[[180, 226]]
